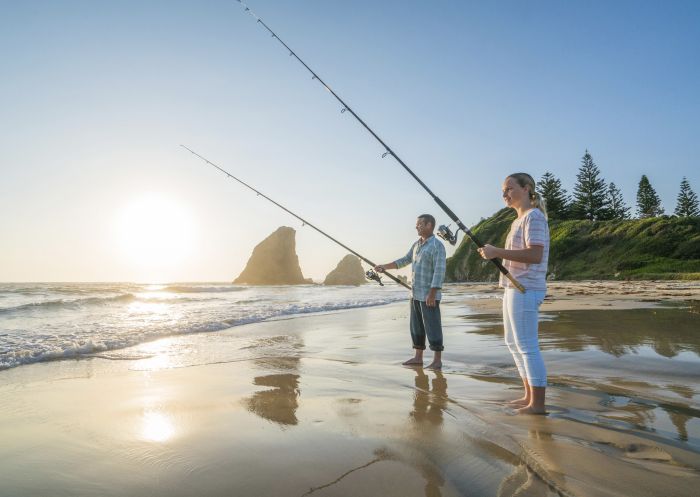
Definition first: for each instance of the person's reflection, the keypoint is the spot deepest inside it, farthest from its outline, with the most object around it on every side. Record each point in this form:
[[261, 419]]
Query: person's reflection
[[680, 421], [641, 415], [428, 406], [278, 404], [428, 403], [668, 331], [679, 416]]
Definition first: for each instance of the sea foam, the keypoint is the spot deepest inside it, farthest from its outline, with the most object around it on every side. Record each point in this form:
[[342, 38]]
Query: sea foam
[[45, 322]]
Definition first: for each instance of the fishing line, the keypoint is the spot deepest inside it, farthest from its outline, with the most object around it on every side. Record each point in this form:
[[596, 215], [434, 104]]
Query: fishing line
[[370, 274], [443, 231]]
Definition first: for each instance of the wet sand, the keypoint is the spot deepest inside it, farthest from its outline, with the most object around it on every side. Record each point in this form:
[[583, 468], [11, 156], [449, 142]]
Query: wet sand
[[319, 405], [574, 295]]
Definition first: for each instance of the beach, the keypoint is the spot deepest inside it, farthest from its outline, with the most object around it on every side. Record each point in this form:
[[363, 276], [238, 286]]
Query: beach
[[319, 404]]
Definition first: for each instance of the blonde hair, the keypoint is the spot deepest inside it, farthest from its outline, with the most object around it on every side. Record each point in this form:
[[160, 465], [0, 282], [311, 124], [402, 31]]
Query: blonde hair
[[526, 181]]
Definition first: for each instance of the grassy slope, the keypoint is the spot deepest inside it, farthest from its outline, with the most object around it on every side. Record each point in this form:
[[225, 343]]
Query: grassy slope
[[655, 248]]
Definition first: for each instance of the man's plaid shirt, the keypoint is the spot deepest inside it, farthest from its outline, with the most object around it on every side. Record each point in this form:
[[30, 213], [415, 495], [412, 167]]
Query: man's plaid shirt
[[428, 270]]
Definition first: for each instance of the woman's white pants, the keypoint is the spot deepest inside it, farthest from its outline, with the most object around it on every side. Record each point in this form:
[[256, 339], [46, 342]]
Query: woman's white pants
[[520, 315]]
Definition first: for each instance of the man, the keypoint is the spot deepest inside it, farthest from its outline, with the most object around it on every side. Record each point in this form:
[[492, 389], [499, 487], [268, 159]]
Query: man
[[427, 256]]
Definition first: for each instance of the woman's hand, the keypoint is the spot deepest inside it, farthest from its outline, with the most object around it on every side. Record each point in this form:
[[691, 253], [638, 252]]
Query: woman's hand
[[488, 251]]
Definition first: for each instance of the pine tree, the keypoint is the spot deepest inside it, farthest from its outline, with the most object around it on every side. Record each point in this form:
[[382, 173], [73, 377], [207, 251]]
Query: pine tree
[[648, 202], [616, 208], [556, 200], [589, 192], [687, 202]]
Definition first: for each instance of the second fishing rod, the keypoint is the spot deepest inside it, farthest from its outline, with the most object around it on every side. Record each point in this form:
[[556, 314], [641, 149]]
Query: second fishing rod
[[370, 274], [443, 231]]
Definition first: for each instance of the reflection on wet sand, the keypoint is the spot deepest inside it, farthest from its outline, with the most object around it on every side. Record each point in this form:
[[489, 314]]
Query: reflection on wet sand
[[523, 481], [279, 402], [428, 407], [624, 400], [429, 404], [639, 389], [278, 405], [668, 331]]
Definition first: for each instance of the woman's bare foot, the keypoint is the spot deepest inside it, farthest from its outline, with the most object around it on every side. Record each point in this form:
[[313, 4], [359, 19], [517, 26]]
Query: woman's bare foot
[[531, 410], [519, 402], [413, 361], [435, 365]]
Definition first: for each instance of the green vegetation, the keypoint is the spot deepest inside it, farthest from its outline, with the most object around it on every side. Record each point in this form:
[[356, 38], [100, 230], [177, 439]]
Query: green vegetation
[[648, 202], [651, 248], [555, 197], [590, 193], [687, 201]]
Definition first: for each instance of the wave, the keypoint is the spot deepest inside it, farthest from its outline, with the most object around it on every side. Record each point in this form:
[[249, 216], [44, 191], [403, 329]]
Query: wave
[[67, 288], [68, 303], [201, 289], [96, 346]]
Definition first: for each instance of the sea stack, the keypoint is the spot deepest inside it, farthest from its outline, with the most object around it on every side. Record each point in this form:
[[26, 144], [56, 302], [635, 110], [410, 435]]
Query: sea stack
[[348, 272], [274, 261]]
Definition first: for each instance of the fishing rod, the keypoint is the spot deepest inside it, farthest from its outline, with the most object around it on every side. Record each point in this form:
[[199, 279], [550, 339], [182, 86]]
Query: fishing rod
[[370, 274], [444, 232]]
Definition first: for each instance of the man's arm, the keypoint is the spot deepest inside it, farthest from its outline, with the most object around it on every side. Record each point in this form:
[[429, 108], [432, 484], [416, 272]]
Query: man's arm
[[398, 263], [383, 267]]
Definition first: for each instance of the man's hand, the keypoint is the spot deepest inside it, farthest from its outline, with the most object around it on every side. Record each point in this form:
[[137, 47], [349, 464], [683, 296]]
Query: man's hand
[[379, 268], [488, 251], [430, 299]]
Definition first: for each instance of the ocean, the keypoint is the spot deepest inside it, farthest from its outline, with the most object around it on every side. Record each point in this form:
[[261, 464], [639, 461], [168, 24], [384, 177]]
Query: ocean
[[51, 321]]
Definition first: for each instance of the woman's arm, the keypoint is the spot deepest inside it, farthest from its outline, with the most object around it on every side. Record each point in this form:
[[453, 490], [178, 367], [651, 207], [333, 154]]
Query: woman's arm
[[530, 255]]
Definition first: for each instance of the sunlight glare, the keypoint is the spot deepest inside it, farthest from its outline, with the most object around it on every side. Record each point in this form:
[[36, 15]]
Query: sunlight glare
[[156, 427], [154, 230]]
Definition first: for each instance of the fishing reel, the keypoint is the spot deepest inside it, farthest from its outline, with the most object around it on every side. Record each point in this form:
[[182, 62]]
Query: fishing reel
[[371, 275], [446, 234]]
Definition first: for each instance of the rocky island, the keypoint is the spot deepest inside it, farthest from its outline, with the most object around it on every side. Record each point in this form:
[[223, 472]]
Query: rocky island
[[348, 272], [274, 261]]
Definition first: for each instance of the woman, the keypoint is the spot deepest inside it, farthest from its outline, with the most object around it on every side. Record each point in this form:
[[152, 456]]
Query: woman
[[525, 256]]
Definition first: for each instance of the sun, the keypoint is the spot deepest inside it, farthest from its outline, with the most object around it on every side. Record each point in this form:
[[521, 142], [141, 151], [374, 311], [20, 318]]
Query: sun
[[155, 231]]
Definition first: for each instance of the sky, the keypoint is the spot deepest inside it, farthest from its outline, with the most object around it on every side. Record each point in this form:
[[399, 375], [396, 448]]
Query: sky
[[97, 98]]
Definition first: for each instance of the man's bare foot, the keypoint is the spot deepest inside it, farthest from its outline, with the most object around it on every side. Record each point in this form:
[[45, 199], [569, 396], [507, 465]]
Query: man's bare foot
[[413, 361], [435, 365], [530, 410]]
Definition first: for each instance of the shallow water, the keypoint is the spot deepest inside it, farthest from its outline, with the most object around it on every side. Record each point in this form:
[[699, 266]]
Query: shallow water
[[643, 363], [623, 396], [320, 406], [50, 321]]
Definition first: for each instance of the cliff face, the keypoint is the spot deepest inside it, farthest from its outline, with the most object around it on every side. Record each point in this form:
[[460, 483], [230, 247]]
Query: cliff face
[[653, 248], [274, 261], [348, 272]]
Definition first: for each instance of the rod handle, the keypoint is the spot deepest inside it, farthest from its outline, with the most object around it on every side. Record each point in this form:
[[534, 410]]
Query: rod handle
[[515, 282], [396, 279]]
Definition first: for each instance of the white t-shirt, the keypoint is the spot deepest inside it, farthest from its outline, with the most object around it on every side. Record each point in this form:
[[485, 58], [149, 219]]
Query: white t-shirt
[[529, 230]]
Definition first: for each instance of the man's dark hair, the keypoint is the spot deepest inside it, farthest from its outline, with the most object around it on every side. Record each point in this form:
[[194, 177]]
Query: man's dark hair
[[427, 218]]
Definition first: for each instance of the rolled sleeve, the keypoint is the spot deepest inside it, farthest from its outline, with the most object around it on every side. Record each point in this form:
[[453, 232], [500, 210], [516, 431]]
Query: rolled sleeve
[[406, 259]]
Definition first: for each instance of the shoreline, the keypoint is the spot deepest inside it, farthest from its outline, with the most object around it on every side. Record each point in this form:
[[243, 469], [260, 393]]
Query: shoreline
[[319, 404], [561, 296]]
